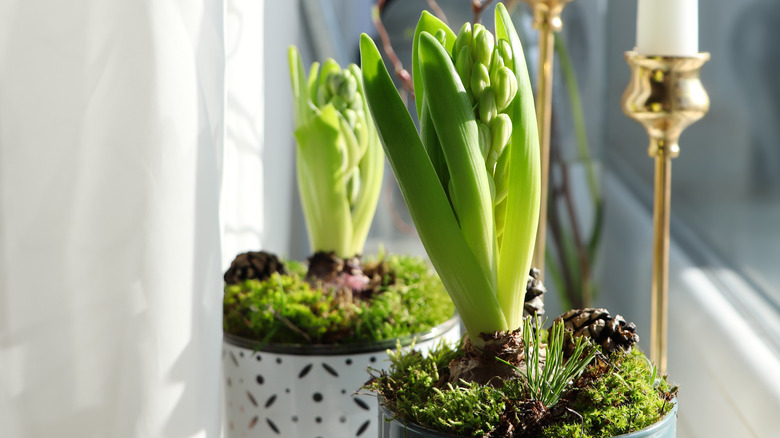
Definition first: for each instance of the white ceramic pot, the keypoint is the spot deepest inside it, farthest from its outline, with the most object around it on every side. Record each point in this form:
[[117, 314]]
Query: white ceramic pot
[[300, 391]]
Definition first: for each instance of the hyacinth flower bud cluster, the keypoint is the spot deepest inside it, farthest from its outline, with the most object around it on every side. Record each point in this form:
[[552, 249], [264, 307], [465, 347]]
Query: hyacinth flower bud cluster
[[485, 67], [339, 158]]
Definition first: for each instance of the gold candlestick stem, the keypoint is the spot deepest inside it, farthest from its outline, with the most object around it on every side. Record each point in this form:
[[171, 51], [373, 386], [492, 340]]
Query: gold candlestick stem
[[547, 20], [665, 95]]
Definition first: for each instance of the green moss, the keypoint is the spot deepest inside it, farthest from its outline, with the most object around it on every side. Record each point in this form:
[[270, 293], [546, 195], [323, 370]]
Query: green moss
[[286, 309], [618, 402], [614, 400]]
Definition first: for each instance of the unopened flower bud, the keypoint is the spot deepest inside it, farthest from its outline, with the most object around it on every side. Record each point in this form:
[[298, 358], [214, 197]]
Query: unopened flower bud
[[463, 39], [463, 64], [480, 79], [322, 96], [505, 49], [505, 88], [348, 86], [501, 131], [441, 36], [339, 103], [484, 47], [333, 83], [351, 116], [496, 63], [478, 29], [500, 176], [487, 106]]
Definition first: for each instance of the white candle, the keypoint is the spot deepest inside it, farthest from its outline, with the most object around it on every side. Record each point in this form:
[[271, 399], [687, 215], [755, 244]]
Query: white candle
[[668, 27]]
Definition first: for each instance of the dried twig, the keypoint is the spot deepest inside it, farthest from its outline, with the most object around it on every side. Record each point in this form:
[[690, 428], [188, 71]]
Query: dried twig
[[395, 216], [478, 6], [398, 67], [437, 11]]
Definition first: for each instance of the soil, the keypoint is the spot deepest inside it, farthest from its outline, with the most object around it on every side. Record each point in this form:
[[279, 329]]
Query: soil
[[480, 365], [348, 276]]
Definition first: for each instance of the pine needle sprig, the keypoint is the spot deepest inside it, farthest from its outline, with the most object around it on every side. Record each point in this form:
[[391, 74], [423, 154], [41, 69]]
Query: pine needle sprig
[[547, 374]]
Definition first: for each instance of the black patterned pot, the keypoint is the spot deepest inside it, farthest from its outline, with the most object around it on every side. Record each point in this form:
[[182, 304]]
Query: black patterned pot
[[305, 391], [390, 428]]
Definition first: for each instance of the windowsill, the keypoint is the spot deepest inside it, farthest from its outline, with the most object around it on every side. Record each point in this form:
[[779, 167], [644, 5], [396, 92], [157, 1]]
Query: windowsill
[[727, 370]]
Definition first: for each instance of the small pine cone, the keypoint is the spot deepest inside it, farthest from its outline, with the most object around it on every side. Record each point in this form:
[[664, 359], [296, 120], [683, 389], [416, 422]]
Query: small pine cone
[[603, 329], [534, 292], [253, 264]]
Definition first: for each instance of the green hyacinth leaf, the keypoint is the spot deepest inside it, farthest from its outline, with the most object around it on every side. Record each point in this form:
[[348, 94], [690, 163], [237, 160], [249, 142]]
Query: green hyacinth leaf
[[523, 197], [456, 127], [431, 24], [470, 288]]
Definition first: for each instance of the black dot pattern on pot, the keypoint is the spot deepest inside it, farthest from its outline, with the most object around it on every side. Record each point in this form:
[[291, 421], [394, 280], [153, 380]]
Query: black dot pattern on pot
[[363, 427], [304, 371], [272, 425], [330, 370], [311, 393], [251, 398], [362, 404]]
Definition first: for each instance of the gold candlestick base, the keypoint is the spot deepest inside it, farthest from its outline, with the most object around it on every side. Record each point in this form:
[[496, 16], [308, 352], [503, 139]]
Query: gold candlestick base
[[547, 20], [665, 96]]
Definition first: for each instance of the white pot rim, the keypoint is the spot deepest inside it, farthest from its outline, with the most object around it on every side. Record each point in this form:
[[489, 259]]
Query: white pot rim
[[340, 349]]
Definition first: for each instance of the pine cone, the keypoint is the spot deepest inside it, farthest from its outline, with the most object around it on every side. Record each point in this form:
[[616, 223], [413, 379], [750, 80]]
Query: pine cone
[[534, 291], [253, 264], [607, 331]]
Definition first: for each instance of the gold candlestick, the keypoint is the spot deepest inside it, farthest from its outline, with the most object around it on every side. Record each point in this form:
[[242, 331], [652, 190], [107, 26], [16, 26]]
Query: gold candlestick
[[665, 95], [547, 19]]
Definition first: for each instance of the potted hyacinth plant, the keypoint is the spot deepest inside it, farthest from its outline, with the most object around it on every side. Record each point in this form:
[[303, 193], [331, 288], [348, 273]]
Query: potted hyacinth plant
[[298, 338], [470, 179]]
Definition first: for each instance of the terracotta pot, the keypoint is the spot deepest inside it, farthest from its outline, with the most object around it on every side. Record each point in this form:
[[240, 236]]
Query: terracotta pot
[[302, 391], [666, 428]]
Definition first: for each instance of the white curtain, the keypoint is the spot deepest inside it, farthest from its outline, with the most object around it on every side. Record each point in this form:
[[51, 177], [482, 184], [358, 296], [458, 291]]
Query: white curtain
[[111, 127], [242, 180]]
